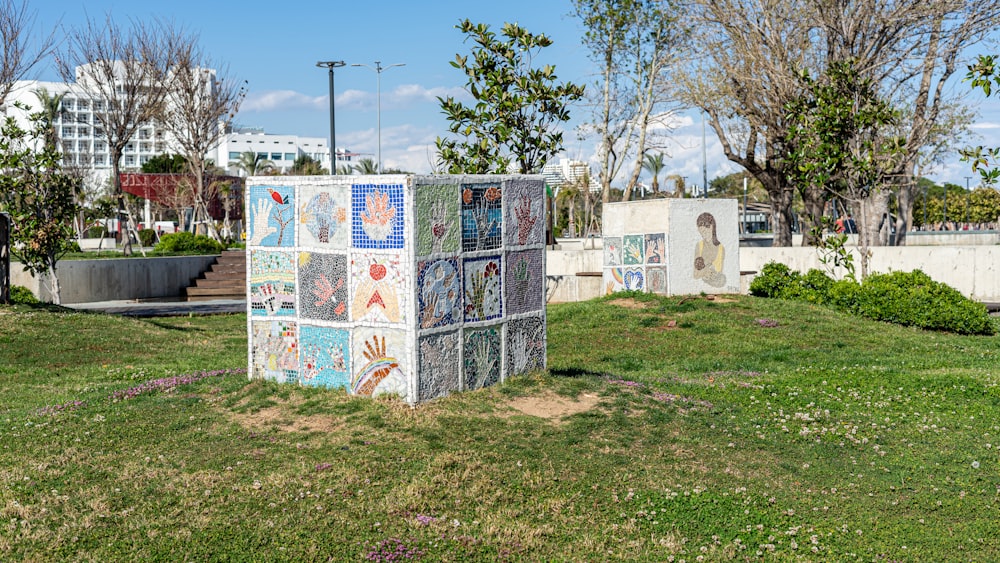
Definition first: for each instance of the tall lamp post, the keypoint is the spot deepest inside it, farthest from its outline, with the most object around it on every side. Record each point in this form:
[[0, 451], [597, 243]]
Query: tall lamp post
[[330, 65], [378, 68]]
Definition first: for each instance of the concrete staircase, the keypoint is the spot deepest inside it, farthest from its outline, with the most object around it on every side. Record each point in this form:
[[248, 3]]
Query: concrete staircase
[[225, 279]]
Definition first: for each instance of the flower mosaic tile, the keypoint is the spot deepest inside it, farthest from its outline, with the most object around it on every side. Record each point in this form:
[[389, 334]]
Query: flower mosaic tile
[[378, 288], [439, 219], [274, 351], [439, 292], [323, 216], [377, 216], [440, 367], [482, 357], [323, 279], [272, 283], [525, 281], [482, 217], [482, 288], [325, 356], [271, 216]]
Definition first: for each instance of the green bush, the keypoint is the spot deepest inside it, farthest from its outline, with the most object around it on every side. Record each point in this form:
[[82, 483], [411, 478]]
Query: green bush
[[186, 242], [905, 298], [20, 295], [97, 231], [147, 237]]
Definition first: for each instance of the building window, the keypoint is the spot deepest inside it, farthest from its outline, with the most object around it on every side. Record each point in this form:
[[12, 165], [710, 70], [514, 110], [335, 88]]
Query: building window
[[275, 156], [67, 103], [67, 131], [234, 155], [82, 104], [289, 156], [129, 160], [98, 105], [262, 155], [83, 146], [130, 147], [83, 131]]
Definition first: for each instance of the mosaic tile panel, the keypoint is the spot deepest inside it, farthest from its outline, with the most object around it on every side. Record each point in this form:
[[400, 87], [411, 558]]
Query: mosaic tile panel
[[379, 291], [656, 279], [438, 219], [325, 356], [524, 212], [482, 357], [634, 279], [323, 281], [482, 288], [439, 292], [482, 217], [633, 249], [613, 280], [656, 248], [439, 365], [274, 351], [272, 283], [323, 216], [612, 251], [525, 281], [525, 345], [272, 212], [380, 361], [377, 216]]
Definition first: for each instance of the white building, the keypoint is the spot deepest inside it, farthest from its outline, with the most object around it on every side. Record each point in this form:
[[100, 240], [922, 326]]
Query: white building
[[568, 171], [281, 150]]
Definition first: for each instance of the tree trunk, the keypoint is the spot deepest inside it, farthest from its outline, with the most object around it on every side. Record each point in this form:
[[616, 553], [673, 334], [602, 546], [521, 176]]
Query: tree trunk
[[781, 216], [814, 201], [904, 219]]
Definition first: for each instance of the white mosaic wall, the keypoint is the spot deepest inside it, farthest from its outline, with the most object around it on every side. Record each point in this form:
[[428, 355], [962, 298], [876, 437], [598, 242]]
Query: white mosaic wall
[[672, 246], [414, 285]]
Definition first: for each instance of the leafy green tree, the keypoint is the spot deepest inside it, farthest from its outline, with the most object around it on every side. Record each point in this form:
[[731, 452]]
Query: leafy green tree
[[51, 105], [252, 164], [38, 196], [985, 160], [306, 165], [366, 166], [165, 164], [837, 144], [518, 107]]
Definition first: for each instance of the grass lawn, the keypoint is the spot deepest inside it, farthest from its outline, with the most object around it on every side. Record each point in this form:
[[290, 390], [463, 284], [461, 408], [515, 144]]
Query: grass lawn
[[666, 429]]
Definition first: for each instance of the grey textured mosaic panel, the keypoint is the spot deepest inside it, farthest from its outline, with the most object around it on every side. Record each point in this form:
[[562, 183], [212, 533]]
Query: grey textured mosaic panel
[[612, 251], [524, 212], [656, 279], [525, 283], [525, 345], [323, 279], [440, 367], [439, 292], [482, 357]]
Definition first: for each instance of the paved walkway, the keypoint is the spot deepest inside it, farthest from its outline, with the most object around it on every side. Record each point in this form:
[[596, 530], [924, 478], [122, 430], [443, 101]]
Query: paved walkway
[[135, 308]]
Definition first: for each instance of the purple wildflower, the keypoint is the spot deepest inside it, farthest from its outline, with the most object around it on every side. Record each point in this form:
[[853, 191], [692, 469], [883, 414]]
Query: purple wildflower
[[425, 520], [767, 323], [55, 409], [323, 466], [169, 383], [393, 549]]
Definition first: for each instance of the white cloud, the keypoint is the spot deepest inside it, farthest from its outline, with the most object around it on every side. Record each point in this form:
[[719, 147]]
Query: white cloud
[[986, 125], [273, 100], [399, 97]]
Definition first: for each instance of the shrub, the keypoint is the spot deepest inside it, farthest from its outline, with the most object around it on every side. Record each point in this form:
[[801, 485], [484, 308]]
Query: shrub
[[185, 242], [97, 231], [22, 296], [147, 237], [905, 298]]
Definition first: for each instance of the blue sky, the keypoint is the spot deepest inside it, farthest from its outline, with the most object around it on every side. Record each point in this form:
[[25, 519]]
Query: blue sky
[[275, 47]]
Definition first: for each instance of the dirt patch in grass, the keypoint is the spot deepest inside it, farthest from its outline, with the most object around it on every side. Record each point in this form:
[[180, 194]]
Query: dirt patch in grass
[[553, 407], [630, 303], [280, 417]]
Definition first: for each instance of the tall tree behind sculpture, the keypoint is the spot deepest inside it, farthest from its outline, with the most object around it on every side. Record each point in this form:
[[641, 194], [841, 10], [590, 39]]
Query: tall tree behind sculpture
[[122, 71], [201, 103], [517, 110], [635, 43]]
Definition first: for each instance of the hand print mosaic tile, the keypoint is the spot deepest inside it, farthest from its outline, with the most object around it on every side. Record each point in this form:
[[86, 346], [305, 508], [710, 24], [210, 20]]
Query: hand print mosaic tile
[[324, 282], [377, 216], [271, 213], [439, 228], [415, 286], [482, 217]]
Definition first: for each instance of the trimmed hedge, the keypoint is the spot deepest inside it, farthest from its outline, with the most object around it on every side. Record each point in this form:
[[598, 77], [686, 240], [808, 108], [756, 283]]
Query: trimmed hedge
[[188, 242], [905, 298]]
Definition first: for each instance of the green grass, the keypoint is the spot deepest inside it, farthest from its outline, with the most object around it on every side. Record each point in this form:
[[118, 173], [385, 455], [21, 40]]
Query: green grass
[[700, 430]]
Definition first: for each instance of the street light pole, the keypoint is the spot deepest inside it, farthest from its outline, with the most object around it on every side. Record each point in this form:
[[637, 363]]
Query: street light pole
[[333, 131], [378, 68]]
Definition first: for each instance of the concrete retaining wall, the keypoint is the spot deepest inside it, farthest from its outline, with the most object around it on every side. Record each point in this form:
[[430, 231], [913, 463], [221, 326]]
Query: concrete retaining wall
[[86, 281]]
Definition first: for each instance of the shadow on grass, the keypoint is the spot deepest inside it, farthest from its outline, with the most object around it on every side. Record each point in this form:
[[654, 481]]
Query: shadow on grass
[[578, 372]]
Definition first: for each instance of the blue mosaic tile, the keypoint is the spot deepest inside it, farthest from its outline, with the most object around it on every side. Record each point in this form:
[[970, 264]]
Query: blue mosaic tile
[[439, 292], [272, 216], [634, 279], [325, 356], [482, 217], [377, 216]]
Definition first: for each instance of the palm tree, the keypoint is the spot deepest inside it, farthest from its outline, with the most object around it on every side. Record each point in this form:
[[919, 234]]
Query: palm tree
[[345, 170], [306, 165], [252, 164], [50, 110], [654, 165], [366, 166]]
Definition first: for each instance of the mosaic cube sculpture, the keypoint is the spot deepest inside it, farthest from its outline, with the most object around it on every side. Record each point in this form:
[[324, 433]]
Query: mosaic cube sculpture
[[672, 246], [413, 285]]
